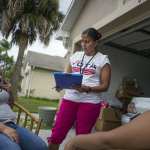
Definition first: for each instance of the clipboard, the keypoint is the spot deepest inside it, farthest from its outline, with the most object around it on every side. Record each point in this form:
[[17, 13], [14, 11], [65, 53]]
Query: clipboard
[[67, 80]]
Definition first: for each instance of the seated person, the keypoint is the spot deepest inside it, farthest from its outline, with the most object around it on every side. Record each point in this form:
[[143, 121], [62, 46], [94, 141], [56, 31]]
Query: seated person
[[129, 88], [12, 136], [132, 136]]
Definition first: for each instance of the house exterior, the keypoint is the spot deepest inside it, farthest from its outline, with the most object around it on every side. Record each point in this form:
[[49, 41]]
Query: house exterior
[[38, 80], [125, 28]]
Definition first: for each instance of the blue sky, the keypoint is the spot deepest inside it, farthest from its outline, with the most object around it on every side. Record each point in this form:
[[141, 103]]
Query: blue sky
[[55, 47]]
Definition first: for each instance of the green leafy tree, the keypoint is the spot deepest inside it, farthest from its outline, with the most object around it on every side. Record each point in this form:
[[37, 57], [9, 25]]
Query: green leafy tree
[[6, 61], [24, 21]]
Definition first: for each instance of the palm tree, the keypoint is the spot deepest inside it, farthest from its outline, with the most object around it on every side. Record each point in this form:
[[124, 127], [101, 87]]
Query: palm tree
[[23, 20]]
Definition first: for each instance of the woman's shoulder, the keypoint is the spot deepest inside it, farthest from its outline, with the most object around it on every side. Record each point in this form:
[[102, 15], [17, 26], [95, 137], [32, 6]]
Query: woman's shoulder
[[99, 54], [102, 58]]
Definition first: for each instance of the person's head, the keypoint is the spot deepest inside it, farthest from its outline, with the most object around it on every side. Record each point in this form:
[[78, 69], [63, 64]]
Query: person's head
[[129, 82], [89, 40]]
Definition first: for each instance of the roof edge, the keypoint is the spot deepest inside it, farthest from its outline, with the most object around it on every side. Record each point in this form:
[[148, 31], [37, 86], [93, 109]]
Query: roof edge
[[72, 13]]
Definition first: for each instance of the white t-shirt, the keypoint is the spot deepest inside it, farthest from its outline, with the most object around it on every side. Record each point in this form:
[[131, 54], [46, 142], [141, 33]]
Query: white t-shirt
[[90, 76]]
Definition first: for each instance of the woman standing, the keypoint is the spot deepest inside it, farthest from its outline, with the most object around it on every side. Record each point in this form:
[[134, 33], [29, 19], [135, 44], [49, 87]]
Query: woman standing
[[81, 105]]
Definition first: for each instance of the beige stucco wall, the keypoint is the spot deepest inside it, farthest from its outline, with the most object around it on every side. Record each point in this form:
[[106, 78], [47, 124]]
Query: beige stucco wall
[[93, 11], [101, 13], [41, 84], [26, 71]]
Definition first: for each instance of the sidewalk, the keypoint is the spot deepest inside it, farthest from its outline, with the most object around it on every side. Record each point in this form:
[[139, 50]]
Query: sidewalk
[[45, 133]]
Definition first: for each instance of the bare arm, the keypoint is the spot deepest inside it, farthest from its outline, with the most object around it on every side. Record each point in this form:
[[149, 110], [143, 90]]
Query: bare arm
[[95, 141], [105, 76], [2, 127], [134, 135], [11, 133]]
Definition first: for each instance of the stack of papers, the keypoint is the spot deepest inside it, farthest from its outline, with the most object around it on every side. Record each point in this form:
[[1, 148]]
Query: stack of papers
[[67, 80]]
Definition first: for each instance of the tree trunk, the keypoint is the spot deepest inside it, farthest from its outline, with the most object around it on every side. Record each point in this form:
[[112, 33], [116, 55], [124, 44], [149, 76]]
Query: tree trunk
[[17, 75]]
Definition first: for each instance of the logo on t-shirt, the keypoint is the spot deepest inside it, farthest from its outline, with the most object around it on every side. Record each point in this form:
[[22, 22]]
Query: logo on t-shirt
[[88, 70]]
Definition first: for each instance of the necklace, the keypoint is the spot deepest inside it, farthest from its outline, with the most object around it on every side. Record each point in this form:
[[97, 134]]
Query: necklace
[[82, 69]]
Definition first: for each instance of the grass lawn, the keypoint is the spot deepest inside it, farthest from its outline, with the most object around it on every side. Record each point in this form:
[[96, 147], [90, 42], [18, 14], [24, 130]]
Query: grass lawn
[[32, 104]]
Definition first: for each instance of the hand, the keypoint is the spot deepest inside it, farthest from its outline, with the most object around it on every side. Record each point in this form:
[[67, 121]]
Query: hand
[[11, 133], [58, 89], [82, 88], [131, 108]]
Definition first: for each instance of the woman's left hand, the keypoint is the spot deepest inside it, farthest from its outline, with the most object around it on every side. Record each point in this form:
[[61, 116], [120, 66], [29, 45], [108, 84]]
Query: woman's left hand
[[11, 133], [82, 88]]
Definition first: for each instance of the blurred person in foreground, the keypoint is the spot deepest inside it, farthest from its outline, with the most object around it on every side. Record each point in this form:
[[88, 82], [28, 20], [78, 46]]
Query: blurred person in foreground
[[12, 136], [132, 136]]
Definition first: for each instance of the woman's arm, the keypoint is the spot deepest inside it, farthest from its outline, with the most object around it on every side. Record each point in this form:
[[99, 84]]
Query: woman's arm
[[2, 127], [105, 76], [134, 135], [94, 141], [11, 133]]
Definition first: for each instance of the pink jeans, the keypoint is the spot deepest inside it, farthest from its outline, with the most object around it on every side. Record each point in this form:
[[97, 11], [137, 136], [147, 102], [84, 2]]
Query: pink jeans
[[84, 116]]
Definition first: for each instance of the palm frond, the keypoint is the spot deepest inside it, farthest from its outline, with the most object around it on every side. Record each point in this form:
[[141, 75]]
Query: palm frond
[[6, 23], [32, 36], [16, 7], [3, 5], [5, 44], [47, 6]]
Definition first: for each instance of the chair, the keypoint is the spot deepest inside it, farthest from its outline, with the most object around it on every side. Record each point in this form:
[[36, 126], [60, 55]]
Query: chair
[[27, 120]]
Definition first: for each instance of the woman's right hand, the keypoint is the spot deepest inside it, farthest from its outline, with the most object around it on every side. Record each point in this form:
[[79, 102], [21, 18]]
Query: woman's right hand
[[58, 89], [11, 133], [82, 88]]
